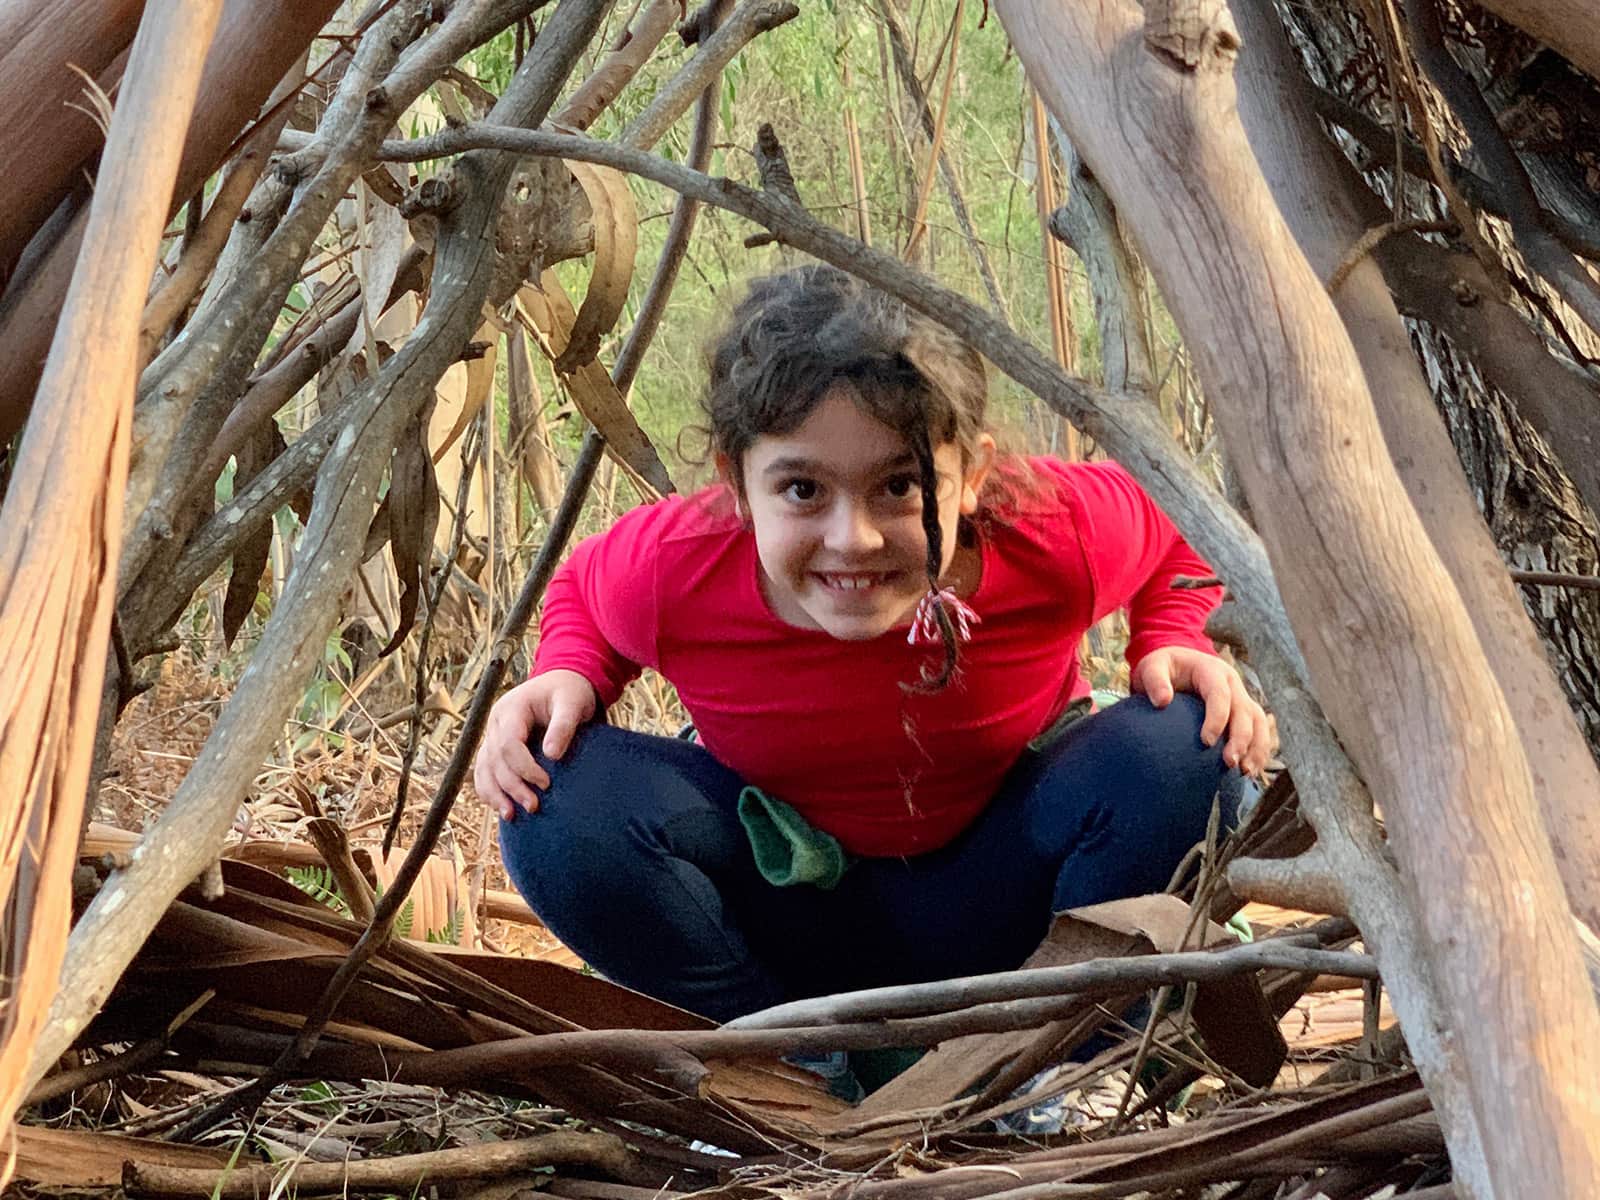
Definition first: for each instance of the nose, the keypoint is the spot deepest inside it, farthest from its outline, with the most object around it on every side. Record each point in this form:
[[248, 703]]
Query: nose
[[851, 529]]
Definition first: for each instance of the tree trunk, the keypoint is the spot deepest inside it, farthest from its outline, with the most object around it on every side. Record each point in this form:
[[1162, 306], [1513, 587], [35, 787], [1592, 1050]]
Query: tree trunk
[[1329, 207], [48, 43], [60, 528], [256, 43], [1150, 105]]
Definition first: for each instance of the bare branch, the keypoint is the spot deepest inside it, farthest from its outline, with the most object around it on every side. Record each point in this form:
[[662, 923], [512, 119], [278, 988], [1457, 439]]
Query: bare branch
[[398, 1174], [1086, 980], [672, 100]]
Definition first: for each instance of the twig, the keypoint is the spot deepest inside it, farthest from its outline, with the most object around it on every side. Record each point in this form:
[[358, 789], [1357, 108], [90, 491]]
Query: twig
[[404, 1174], [919, 217], [331, 843], [419, 709], [1590, 583], [1368, 241], [746, 22], [115, 1066], [906, 69], [64, 1082], [1097, 977], [684, 211]]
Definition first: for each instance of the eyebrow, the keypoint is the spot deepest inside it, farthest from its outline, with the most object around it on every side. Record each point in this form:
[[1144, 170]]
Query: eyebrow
[[796, 463]]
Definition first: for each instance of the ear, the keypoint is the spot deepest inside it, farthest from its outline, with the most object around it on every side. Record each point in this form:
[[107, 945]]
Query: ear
[[724, 466], [979, 463]]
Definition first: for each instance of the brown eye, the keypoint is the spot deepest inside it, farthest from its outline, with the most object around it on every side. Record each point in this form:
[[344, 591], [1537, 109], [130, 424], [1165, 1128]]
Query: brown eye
[[801, 491], [901, 487]]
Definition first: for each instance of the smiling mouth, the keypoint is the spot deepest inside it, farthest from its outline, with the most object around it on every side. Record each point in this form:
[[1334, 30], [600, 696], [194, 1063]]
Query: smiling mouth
[[852, 581]]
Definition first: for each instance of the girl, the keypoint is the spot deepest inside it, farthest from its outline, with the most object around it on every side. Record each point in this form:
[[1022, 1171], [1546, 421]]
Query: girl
[[874, 624]]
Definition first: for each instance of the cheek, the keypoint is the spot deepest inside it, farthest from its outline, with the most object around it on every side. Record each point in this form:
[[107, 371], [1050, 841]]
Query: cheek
[[782, 545]]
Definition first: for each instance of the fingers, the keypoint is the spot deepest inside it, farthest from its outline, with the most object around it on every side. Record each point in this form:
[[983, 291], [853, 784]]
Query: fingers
[[1218, 696], [506, 776], [505, 773], [1241, 725], [1263, 746], [1252, 734], [565, 717], [1154, 679]]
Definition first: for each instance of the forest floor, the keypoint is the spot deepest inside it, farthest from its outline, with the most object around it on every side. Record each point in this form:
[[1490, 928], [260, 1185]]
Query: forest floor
[[788, 1136]]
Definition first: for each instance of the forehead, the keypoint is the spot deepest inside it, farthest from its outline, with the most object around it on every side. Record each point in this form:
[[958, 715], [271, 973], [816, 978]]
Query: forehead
[[836, 436]]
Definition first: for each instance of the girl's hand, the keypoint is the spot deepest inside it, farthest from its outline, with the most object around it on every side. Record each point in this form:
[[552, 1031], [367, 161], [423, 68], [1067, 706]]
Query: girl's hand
[[1252, 734], [505, 772]]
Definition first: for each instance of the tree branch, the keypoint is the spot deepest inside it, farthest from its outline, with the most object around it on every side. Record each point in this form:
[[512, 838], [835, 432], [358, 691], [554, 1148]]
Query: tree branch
[[1507, 175], [1379, 141], [402, 1174]]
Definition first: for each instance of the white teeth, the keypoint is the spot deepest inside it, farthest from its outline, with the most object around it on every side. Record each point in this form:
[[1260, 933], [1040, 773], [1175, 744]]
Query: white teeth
[[850, 583]]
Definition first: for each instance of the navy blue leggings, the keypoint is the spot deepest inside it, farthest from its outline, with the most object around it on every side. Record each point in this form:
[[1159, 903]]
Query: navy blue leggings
[[636, 860]]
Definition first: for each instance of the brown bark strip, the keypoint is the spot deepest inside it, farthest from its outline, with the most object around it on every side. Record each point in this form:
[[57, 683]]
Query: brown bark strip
[[907, 71], [59, 529], [202, 248], [1287, 388], [919, 223], [643, 35], [40, 156], [257, 40]]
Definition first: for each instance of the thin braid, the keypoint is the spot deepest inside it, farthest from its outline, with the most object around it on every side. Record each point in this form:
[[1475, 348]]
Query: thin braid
[[922, 450]]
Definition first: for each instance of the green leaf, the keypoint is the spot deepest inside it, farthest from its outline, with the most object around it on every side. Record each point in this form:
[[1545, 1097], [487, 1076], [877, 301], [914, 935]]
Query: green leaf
[[402, 923]]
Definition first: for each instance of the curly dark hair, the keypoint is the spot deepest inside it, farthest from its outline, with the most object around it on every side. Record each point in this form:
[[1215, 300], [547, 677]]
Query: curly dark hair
[[797, 333]]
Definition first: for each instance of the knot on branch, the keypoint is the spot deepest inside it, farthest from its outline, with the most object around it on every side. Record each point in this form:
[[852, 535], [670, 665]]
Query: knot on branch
[[777, 180], [701, 23], [432, 197], [1189, 32]]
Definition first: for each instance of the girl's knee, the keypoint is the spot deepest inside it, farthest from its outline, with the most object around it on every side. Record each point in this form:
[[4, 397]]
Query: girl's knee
[[1135, 728]]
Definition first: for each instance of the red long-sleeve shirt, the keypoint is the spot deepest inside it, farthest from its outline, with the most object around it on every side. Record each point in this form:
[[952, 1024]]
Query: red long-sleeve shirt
[[825, 724]]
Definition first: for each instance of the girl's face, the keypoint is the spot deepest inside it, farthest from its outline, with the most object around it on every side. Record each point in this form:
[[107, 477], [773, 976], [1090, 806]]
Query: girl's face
[[836, 507]]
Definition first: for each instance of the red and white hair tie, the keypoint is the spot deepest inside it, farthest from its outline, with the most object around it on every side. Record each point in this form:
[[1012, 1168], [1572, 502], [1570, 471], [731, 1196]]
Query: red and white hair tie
[[925, 624]]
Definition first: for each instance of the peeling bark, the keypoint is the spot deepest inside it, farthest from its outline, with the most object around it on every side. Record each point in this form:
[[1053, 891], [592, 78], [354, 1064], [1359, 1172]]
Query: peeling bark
[[59, 533]]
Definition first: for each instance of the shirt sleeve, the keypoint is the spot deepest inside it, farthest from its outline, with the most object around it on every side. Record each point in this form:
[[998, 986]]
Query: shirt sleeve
[[600, 610], [1133, 552]]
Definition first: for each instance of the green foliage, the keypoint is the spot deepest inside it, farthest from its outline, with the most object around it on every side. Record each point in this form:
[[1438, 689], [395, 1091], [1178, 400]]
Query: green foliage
[[403, 921], [450, 934], [318, 882]]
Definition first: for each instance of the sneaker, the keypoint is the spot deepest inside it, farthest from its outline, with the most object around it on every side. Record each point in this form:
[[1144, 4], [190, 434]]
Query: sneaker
[[1081, 1106], [833, 1068]]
